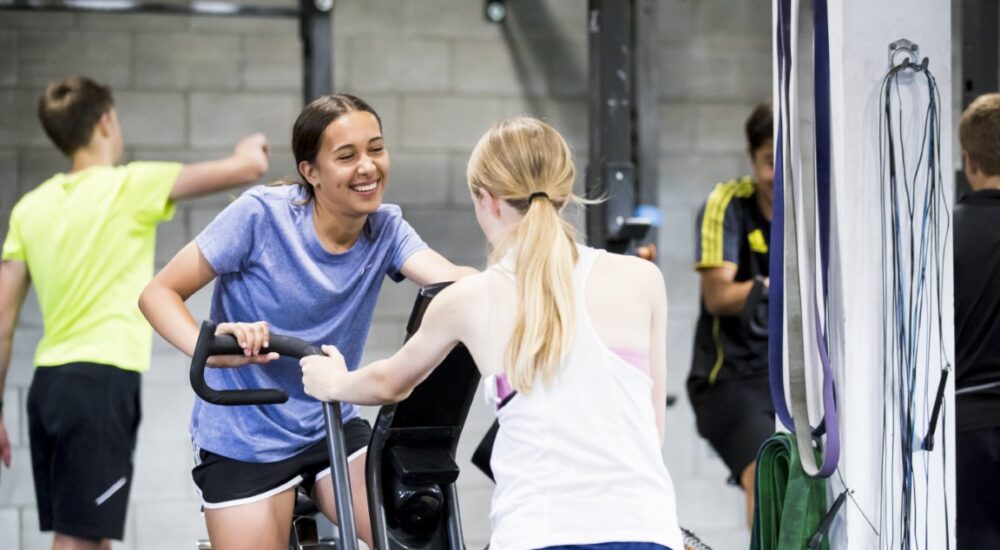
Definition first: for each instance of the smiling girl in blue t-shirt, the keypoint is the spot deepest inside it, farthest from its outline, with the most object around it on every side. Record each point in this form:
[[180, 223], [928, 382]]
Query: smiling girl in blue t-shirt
[[304, 260]]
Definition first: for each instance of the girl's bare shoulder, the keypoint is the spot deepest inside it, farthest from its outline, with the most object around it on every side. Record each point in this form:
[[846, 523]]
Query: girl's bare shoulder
[[622, 270]]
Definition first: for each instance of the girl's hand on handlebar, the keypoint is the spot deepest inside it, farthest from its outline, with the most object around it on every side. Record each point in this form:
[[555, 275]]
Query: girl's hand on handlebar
[[230, 361], [252, 337], [320, 374]]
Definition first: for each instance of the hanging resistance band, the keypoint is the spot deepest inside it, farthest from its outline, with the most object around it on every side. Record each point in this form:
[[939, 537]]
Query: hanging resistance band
[[798, 301], [790, 505]]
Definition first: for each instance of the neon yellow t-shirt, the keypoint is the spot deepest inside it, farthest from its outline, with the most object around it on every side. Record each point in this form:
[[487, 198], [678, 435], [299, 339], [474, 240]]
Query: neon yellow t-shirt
[[88, 240]]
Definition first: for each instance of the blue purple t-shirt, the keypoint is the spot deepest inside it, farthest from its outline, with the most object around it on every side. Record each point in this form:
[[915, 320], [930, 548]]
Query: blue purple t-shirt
[[270, 266]]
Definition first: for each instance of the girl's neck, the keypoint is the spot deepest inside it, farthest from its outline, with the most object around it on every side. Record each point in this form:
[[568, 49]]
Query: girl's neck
[[336, 232]]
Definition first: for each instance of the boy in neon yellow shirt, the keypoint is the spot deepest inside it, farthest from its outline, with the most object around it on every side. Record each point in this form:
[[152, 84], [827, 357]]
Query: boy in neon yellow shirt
[[86, 238]]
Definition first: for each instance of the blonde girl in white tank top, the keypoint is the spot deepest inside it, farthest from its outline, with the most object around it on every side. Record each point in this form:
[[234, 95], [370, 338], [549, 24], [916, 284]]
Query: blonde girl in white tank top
[[578, 334]]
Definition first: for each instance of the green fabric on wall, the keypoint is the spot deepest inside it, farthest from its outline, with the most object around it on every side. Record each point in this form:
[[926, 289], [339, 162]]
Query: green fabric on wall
[[788, 504]]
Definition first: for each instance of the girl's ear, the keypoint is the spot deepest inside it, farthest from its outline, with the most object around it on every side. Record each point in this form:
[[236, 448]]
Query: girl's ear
[[309, 171], [490, 203]]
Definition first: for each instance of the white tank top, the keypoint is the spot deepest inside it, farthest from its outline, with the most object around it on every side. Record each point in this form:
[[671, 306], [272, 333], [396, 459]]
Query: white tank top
[[578, 461]]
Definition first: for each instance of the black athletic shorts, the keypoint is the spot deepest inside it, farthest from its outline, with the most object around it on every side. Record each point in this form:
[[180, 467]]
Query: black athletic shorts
[[736, 417], [225, 482], [82, 424]]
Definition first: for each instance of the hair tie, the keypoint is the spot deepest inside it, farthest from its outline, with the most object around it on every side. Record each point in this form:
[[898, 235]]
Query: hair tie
[[537, 194]]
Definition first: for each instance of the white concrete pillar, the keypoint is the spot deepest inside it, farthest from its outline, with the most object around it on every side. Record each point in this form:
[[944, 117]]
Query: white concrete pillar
[[860, 32]]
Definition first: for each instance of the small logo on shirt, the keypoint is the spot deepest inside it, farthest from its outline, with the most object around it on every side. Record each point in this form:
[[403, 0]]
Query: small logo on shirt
[[757, 241]]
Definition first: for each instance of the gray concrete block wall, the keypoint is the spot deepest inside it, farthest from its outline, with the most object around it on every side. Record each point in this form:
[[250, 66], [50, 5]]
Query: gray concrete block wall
[[439, 75]]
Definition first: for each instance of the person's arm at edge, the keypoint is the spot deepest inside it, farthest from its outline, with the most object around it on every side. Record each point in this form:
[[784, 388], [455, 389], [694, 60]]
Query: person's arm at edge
[[427, 266], [246, 165], [391, 380], [658, 346], [717, 254], [720, 291], [14, 281], [162, 302]]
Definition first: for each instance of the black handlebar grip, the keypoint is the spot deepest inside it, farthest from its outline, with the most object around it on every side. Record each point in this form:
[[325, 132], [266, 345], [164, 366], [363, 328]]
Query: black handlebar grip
[[226, 344], [424, 297]]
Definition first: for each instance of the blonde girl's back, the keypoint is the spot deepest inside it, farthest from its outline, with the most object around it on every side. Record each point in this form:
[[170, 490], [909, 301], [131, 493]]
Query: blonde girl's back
[[620, 295], [596, 425]]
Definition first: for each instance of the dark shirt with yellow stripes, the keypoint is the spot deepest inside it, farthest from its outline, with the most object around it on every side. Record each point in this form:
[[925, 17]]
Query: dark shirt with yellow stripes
[[731, 230]]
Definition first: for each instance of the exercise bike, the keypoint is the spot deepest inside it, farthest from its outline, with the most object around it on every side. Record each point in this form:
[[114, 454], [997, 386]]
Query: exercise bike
[[410, 471]]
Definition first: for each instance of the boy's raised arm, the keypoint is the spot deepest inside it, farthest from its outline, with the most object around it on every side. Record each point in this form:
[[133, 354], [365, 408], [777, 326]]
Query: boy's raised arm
[[246, 165]]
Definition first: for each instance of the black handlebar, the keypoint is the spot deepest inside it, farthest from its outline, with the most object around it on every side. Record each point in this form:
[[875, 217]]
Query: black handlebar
[[210, 343]]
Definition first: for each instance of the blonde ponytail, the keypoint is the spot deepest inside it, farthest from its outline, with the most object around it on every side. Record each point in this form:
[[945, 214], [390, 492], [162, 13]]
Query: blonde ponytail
[[526, 163], [546, 315]]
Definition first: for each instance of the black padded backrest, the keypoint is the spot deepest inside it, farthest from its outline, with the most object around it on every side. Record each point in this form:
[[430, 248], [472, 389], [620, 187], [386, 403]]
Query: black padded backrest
[[414, 442], [444, 398]]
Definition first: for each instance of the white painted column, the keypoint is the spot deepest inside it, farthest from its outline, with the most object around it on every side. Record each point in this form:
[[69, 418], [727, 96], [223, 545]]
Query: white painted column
[[860, 31]]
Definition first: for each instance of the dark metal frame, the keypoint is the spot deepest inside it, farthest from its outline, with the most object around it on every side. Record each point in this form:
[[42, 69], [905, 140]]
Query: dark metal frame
[[622, 165], [316, 33], [315, 26], [128, 6], [646, 103]]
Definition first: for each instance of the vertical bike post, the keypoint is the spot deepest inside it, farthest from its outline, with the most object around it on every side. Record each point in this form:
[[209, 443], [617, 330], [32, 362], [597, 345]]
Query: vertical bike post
[[340, 476]]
